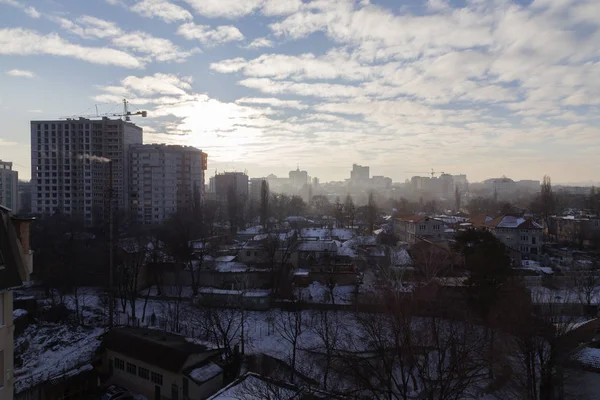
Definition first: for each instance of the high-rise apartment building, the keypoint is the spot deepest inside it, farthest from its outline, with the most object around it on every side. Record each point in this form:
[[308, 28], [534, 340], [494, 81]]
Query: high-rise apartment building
[[164, 179], [227, 181], [359, 173], [71, 162], [8, 186], [298, 179]]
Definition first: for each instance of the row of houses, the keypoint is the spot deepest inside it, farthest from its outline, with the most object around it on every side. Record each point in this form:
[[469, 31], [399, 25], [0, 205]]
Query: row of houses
[[523, 236]]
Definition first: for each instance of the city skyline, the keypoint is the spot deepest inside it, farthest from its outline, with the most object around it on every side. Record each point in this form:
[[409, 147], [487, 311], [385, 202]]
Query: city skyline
[[265, 85]]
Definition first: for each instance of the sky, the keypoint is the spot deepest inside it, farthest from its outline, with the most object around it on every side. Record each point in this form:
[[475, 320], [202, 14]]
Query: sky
[[480, 87]]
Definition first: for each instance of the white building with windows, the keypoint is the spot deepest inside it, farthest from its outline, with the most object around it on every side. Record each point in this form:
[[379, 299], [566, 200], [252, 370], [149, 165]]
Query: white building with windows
[[71, 162], [414, 227], [164, 179], [517, 233], [9, 193]]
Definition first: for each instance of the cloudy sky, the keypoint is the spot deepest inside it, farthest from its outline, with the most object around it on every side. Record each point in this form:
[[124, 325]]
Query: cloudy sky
[[482, 87]]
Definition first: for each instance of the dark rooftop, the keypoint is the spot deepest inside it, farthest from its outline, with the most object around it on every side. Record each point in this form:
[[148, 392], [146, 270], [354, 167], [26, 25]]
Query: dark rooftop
[[155, 347]]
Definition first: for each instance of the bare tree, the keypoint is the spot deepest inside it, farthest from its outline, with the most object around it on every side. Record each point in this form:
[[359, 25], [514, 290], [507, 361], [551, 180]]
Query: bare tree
[[457, 198], [586, 283], [349, 211], [254, 387], [264, 203], [371, 213], [328, 328], [289, 325], [276, 250], [222, 326], [132, 258]]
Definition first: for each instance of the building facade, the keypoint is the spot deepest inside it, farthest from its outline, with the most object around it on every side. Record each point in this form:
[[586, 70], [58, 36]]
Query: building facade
[[298, 179], [9, 193], [164, 179], [236, 181], [24, 189], [72, 162], [14, 259], [359, 173], [414, 227], [519, 234]]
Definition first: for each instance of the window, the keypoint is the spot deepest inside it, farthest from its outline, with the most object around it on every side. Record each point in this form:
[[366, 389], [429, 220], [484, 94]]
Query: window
[[248, 253], [143, 373], [186, 388], [157, 378], [119, 364], [131, 368], [436, 227], [422, 227], [533, 240]]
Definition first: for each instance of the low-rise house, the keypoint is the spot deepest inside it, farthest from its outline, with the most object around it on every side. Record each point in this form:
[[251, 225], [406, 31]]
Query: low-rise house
[[574, 230], [14, 269], [161, 365], [412, 228], [517, 233]]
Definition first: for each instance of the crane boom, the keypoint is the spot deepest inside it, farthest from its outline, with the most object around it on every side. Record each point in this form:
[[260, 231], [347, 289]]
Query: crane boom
[[126, 113]]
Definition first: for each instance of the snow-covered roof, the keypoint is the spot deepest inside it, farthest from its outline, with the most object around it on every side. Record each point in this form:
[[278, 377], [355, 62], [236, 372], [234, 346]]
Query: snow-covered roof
[[401, 257], [512, 222], [249, 293], [253, 387], [301, 272], [253, 230], [346, 251], [318, 245], [589, 357], [230, 266], [205, 373], [19, 313]]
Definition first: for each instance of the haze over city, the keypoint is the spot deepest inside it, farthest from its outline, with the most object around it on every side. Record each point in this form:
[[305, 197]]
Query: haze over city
[[483, 88]]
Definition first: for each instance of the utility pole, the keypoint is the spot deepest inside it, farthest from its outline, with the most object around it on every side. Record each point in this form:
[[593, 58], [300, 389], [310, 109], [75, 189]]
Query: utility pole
[[110, 195]]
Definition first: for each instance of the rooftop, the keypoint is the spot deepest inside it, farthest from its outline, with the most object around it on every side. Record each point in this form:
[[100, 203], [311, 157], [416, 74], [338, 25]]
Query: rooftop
[[155, 347]]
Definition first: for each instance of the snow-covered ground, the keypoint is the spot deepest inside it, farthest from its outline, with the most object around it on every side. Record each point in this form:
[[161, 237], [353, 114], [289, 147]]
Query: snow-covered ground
[[319, 293], [50, 350]]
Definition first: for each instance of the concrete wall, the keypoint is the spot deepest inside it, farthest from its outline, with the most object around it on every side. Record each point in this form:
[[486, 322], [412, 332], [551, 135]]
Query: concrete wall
[[6, 346], [171, 381]]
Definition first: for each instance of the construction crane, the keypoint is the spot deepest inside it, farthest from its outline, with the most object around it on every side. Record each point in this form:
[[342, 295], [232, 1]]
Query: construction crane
[[432, 173], [126, 114]]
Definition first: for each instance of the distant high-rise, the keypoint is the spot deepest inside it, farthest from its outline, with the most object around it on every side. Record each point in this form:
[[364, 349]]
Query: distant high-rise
[[298, 179], [71, 161], [24, 188], [8, 186], [164, 179], [227, 181], [359, 173]]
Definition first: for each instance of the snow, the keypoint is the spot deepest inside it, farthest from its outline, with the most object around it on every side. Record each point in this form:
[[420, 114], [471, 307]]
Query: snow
[[341, 234], [316, 292], [401, 257], [50, 350], [535, 266], [230, 266], [318, 245], [19, 313], [253, 388], [247, 293], [204, 373], [301, 272], [253, 230], [589, 357]]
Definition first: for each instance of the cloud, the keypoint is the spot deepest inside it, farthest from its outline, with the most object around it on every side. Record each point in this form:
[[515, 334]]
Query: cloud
[[281, 7], [157, 84], [18, 41], [209, 36], [272, 101], [20, 73], [158, 49], [224, 8], [162, 9], [260, 42], [32, 12]]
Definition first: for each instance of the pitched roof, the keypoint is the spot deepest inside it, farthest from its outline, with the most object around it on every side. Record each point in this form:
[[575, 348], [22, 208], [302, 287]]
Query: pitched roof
[[479, 220], [412, 218], [510, 221], [155, 347]]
